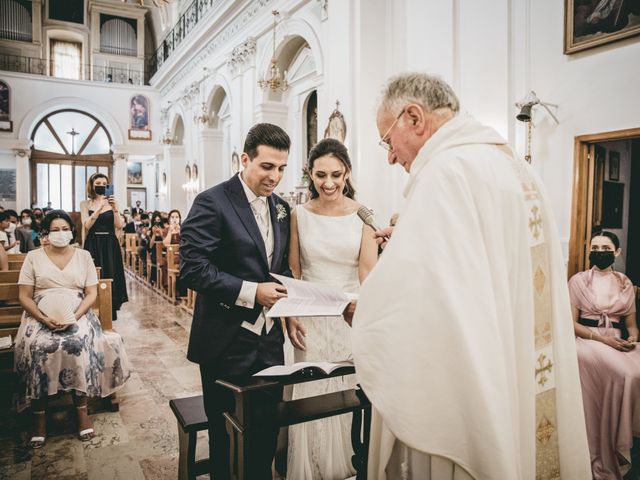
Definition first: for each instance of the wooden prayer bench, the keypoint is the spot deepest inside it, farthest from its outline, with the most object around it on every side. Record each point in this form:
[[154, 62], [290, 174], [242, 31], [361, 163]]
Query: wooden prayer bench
[[191, 419]]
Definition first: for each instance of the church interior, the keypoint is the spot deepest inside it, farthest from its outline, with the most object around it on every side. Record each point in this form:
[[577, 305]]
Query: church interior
[[157, 96]]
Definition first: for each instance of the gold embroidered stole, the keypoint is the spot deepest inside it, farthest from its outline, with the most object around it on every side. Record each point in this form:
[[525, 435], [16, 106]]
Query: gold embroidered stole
[[547, 450]]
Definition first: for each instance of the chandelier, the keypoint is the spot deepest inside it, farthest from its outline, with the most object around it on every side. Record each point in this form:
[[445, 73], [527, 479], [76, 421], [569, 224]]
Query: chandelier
[[274, 81], [166, 138], [202, 116]]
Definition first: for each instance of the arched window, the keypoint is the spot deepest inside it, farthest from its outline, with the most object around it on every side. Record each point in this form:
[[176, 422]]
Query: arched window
[[68, 146], [312, 120]]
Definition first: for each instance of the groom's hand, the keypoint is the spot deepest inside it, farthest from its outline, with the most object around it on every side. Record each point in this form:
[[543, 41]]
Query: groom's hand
[[269, 293]]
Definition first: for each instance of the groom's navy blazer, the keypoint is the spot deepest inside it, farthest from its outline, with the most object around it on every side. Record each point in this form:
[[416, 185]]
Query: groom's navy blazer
[[220, 247]]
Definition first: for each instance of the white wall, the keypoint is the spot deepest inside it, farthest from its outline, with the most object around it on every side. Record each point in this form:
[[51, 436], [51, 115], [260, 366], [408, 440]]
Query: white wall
[[492, 53], [516, 47], [32, 97]]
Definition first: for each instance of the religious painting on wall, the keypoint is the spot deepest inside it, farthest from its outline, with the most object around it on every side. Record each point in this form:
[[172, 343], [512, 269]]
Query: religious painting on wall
[[6, 125], [139, 118], [589, 23], [134, 173], [7, 185], [614, 166], [235, 162], [137, 194], [337, 127]]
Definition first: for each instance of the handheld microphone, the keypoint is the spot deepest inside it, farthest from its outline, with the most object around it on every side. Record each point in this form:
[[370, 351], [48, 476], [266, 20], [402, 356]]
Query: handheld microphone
[[367, 218]]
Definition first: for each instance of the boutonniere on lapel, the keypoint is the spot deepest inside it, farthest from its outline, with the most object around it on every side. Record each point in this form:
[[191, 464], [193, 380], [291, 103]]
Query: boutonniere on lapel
[[281, 212]]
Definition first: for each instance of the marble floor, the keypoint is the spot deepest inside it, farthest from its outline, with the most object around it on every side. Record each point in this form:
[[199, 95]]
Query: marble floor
[[140, 441]]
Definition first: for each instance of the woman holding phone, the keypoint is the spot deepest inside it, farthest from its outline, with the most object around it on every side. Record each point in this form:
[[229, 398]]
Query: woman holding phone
[[100, 219]]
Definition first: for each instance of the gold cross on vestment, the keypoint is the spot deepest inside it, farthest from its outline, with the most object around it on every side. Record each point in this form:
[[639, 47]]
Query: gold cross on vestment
[[543, 368], [535, 222]]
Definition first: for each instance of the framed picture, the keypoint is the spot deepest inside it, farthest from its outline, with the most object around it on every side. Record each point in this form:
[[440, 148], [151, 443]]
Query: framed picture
[[134, 173], [7, 185], [135, 194], [6, 125], [235, 162], [612, 198], [337, 127], [590, 23], [614, 166], [139, 118]]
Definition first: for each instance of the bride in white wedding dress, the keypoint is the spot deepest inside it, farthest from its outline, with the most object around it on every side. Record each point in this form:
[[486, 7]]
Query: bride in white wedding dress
[[329, 245]]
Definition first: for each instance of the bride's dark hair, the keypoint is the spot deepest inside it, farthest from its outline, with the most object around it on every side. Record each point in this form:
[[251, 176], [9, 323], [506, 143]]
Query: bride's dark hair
[[335, 148]]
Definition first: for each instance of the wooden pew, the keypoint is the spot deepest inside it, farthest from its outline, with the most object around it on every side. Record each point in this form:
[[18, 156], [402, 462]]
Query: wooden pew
[[17, 257], [15, 265], [173, 271], [131, 251], [9, 276], [161, 264]]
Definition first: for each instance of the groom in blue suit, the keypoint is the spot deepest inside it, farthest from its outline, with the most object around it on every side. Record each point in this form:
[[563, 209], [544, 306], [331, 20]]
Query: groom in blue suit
[[235, 235]]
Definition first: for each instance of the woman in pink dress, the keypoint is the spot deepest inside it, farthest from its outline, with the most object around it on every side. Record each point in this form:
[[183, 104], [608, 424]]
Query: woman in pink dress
[[603, 305]]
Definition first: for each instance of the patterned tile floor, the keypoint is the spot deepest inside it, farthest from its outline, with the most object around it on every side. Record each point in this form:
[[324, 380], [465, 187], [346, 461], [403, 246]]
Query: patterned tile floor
[[140, 441]]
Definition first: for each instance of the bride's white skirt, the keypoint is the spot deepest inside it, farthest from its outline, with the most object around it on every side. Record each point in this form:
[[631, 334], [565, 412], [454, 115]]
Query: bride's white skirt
[[321, 450], [408, 464]]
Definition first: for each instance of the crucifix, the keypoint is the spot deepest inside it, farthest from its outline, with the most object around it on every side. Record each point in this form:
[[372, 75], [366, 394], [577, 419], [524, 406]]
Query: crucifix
[[73, 134]]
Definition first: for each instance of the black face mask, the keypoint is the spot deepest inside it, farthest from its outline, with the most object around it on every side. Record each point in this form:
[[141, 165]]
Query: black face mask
[[100, 189], [601, 260]]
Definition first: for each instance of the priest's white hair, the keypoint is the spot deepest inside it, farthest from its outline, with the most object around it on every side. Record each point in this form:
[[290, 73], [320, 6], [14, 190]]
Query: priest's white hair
[[430, 91]]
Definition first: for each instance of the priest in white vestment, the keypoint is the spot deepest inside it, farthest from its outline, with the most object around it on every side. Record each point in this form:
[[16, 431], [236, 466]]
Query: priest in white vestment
[[462, 337]]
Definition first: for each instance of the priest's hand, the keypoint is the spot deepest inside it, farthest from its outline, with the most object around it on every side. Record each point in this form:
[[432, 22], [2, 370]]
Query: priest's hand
[[269, 293], [296, 333], [349, 311], [383, 236]]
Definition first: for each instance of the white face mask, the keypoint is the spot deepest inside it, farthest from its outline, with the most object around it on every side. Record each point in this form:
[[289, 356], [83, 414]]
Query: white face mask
[[61, 238], [11, 228], [26, 221]]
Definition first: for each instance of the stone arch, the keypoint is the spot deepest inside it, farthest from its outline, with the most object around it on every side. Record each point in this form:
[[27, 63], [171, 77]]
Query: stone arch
[[292, 30], [38, 112]]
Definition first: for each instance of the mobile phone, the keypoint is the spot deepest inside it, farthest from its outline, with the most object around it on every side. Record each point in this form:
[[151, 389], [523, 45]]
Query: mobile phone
[[108, 191]]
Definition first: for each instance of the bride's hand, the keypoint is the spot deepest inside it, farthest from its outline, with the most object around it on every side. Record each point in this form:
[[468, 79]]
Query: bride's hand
[[296, 333], [349, 311]]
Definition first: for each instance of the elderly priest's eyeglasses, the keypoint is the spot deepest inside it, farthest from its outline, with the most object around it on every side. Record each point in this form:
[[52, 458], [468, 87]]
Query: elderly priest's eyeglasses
[[384, 141]]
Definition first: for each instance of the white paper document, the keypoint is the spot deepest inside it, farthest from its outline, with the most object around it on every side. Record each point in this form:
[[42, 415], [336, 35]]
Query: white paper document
[[306, 299]]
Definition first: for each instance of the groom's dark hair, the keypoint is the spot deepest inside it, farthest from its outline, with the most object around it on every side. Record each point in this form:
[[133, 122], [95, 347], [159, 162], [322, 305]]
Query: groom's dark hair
[[265, 134]]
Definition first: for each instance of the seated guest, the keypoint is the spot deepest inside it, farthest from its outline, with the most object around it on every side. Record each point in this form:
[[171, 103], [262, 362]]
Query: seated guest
[[26, 232], [133, 223], [12, 215], [173, 233], [158, 232], [38, 216], [60, 345], [5, 225], [603, 304]]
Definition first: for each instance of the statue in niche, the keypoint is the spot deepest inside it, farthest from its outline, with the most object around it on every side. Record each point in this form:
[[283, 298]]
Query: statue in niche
[[336, 128]]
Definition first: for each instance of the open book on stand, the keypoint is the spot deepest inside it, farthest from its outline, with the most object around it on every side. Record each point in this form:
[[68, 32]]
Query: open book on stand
[[285, 370], [5, 342], [306, 299]]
